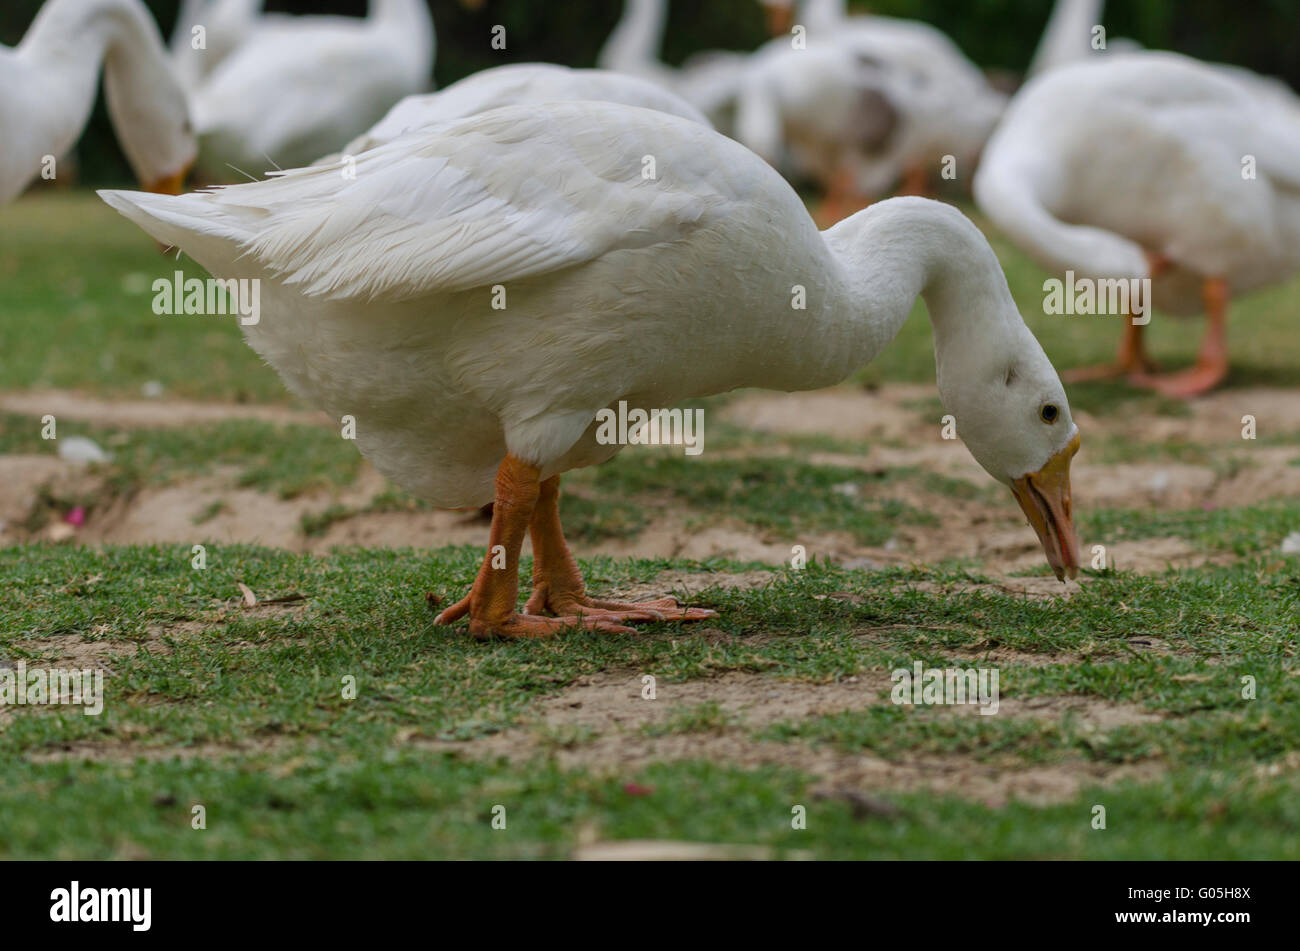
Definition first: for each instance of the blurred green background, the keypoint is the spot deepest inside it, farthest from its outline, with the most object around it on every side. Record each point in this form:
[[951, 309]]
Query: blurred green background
[[997, 34]]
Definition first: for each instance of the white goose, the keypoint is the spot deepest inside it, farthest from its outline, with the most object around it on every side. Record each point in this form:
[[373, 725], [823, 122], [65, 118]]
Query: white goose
[[710, 81], [377, 301], [225, 24], [1068, 36], [514, 85], [877, 98], [297, 88], [1132, 167], [48, 84]]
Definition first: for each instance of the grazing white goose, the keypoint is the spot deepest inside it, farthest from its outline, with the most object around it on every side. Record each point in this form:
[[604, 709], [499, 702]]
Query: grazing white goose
[[512, 85], [881, 99], [1135, 167], [48, 84], [378, 301], [297, 88]]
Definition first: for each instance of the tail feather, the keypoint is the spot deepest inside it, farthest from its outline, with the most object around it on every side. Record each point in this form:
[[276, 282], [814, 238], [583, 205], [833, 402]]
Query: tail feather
[[191, 222]]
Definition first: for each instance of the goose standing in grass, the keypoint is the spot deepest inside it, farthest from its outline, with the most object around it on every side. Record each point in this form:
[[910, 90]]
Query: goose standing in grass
[[513, 85], [1152, 165], [48, 84], [382, 298], [297, 88]]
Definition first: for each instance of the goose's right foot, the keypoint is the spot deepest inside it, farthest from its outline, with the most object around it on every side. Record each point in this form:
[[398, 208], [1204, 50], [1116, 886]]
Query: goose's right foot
[[1131, 361]]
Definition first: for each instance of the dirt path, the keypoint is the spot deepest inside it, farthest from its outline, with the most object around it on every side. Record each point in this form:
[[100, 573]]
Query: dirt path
[[891, 424]]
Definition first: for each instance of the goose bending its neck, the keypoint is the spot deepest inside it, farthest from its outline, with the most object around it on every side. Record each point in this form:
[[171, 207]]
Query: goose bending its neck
[[378, 301], [48, 84]]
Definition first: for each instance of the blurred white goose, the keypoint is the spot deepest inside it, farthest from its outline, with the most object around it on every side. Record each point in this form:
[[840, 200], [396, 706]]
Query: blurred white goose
[[710, 80], [48, 84], [378, 301], [224, 25], [1152, 165], [865, 101], [513, 85], [297, 88], [1068, 36]]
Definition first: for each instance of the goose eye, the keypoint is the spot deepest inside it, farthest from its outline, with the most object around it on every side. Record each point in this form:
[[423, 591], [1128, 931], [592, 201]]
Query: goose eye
[[1049, 413]]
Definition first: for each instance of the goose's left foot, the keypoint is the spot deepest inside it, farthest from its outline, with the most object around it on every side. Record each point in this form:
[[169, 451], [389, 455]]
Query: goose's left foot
[[1212, 363], [544, 601], [1185, 384], [1131, 361], [558, 587]]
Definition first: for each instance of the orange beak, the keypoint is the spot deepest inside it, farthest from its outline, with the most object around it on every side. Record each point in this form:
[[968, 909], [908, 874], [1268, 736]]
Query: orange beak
[[170, 184], [1045, 498], [780, 17]]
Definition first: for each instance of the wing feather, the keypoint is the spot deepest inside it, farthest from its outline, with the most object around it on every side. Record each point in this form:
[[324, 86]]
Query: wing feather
[[495, 198]]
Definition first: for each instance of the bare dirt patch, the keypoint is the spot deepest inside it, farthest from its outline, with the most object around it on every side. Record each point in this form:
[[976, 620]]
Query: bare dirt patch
[[146, 414], [602, 723], [841, 412], [126, 751], [987, 529]]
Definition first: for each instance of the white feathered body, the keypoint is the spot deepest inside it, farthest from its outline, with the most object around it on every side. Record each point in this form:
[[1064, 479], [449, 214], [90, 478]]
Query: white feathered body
[[378, 290], [516, 84]]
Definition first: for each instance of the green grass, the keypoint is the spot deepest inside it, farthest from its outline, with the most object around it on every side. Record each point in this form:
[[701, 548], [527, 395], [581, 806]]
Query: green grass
[[1242, 530], [321, 775], [75, 292], [244, 712]]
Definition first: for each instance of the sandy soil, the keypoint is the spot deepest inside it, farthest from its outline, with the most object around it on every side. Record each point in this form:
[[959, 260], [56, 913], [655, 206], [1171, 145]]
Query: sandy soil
[[894, 433], [603, 724]]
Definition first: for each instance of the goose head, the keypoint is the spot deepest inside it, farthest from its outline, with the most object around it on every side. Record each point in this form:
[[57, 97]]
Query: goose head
[[993, 377], [152, 119], [1011, 411]]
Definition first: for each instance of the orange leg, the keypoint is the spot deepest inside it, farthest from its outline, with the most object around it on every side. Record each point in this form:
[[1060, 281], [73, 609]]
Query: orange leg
[[916, 181], [491, 602], [557, 583], [1212, 363], [1131, 359], [842, 197]]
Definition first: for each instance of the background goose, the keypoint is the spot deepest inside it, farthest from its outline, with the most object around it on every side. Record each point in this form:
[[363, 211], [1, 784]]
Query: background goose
[[225, 23], [377, 302], [866, 103], [48, 84], [512, 85], [317, 82], [709, 80], [1135, 167]]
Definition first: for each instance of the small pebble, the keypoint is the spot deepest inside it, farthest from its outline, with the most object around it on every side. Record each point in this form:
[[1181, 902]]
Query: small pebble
[[81, 449]]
